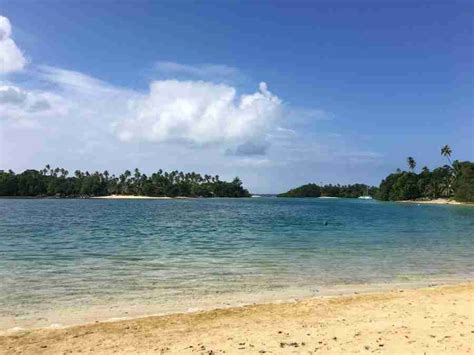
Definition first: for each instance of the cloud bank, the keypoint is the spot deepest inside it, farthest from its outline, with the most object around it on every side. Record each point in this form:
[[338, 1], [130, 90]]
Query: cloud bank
[[11, 57]]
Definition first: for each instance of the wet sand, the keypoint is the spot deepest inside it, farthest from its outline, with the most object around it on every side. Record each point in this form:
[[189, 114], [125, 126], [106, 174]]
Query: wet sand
[[429, 320]]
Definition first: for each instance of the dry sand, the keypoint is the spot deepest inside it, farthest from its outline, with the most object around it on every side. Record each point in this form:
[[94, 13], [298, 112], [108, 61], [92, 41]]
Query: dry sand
[[437, 320], [438, 201]]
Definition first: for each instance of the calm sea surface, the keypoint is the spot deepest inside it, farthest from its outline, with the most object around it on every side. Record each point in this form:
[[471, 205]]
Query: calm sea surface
[[60, 256]]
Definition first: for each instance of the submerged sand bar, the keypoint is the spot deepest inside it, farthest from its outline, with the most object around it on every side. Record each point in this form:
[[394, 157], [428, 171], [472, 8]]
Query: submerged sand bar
[[429, 320]]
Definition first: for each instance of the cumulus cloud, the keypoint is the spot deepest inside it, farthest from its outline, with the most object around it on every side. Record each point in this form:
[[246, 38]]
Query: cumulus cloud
[[11, 57], [200, 113]]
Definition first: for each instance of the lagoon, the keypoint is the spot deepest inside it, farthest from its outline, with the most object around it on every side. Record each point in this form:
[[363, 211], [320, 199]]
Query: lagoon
[[68, 261]]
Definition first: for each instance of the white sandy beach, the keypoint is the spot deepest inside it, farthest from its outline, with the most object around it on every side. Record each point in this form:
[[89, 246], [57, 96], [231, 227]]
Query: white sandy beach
[[422, 321], [438, 201]]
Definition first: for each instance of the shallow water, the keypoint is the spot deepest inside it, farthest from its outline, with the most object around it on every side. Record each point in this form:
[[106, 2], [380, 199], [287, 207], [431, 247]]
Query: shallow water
[[60, 256]]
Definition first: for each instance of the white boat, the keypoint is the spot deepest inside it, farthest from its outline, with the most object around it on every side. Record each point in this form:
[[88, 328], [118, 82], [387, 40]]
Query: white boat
[[366, 196]]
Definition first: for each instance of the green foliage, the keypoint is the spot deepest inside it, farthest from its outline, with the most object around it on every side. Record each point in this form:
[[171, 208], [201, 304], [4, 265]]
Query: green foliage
[[464, 184], [308, 190], [55, 182], [405, 187], [313, 190], [443, 182]]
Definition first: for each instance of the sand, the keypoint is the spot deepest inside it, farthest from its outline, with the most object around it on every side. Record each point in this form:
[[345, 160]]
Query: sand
[[438, 201], [428, 320]]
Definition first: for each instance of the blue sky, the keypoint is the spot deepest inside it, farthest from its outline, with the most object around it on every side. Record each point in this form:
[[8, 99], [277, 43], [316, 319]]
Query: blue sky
[[351, 87]]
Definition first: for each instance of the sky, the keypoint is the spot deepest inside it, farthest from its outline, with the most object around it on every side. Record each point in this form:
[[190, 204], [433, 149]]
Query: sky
[[279, 93]]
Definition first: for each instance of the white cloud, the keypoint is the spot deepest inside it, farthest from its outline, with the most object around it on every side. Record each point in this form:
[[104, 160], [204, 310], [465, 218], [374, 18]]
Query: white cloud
[[70, 80], [200, 113], [11, 57]]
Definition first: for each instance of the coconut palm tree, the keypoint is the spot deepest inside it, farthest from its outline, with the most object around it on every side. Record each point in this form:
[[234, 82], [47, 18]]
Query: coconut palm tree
[[446, 152], [411, 163]]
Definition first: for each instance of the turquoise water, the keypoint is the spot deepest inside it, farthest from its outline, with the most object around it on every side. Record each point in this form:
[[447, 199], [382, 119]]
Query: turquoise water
[[76, 254]]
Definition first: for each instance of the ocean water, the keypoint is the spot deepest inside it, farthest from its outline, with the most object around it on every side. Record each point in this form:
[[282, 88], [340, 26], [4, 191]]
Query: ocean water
[[65, 261]]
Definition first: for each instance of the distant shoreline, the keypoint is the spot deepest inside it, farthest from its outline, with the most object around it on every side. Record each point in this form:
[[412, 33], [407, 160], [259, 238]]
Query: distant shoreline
[[108, 197], [118, 197], [438, 201], [138, 197]]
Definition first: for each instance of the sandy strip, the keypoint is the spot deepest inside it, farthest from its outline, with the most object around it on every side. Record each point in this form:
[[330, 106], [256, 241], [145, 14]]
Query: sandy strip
[[429, 320], [439, 201]]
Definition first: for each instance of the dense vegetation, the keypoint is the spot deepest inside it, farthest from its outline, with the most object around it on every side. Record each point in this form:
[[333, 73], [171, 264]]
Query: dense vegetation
[[453, 180], [313, 190], [308, 190], [57, 182]]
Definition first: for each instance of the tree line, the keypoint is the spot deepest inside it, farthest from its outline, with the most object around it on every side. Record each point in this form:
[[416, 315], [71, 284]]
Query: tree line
[[57, 182], [453, 180], [346, 191]]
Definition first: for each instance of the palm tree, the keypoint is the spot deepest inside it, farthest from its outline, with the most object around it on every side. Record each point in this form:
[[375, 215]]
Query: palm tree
[[137, 173], [411, 163], [47, 169], [446, 152]]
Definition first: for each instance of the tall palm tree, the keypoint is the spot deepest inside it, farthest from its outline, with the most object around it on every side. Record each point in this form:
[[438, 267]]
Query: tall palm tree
[[47, 169], [411, 163], [446, 152], [137, 173]]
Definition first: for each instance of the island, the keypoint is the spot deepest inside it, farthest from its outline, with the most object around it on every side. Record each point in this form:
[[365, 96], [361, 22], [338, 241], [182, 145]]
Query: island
[[56, 182], [451, 183]]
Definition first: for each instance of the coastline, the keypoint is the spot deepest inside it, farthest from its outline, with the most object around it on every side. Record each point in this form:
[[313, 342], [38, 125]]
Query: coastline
[[71, 316], [438, 201], [137, 197], [107, 197], [434, 319]]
